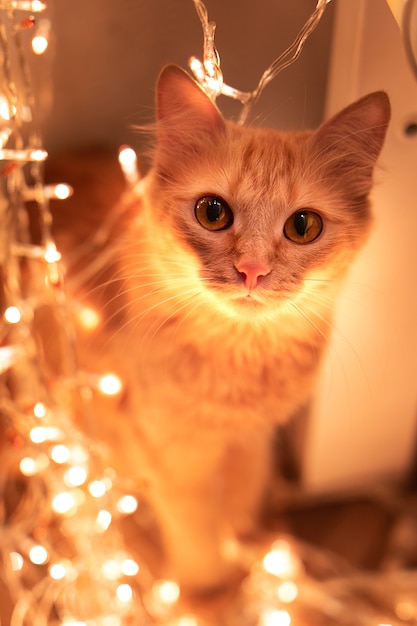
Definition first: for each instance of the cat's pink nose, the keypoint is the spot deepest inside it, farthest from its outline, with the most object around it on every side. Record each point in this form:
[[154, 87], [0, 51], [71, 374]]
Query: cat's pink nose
[[252, 272]]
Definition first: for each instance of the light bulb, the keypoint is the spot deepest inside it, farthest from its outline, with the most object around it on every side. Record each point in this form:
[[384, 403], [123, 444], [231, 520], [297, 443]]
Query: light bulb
[[124, 593], [110, 384], [16, 561], [127, 504], [38, 555], [60, 454], [97, 488], [12, 315], [129, 567]]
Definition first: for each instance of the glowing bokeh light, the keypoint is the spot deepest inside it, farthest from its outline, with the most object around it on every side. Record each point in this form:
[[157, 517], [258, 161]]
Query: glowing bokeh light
[[103, 520], [127, 504], [60, 453], [287, 592], [16, 561], [129, 567], [57, 571], [275, 618], [28, 466], [12, 315], [124, 593], [166, 591], [38, 555], [63, 502], [39, 43], [280, 561], [97, 488], [75, 476], [39, 410], [110, 384]]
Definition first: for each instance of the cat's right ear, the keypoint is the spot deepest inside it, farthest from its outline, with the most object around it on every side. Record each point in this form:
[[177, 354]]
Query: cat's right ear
[[186, 116]]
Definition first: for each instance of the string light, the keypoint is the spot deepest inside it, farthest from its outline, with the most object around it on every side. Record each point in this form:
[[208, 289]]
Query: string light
[[127, 504], [25, 5], [40, 40], [129, 164], [208, 72], [12, 315], [38, 555], [110, 384]]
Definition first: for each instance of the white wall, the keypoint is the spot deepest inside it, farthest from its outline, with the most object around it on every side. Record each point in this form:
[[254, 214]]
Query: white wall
[[364, 424]]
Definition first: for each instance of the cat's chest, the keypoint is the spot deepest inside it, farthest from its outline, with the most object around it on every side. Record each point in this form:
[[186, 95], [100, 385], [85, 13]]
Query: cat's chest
[[221, 375]]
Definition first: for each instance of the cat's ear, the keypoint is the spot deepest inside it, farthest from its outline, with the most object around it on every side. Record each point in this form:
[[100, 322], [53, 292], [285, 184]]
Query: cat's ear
[[186, 116], [349, 143]]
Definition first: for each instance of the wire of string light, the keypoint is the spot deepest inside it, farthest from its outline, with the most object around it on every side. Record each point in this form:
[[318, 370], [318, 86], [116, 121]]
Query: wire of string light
[[60, 502], [209, 73]]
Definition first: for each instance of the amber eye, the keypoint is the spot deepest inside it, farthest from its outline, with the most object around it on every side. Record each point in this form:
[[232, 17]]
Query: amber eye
[[303, 226], [213, 213]]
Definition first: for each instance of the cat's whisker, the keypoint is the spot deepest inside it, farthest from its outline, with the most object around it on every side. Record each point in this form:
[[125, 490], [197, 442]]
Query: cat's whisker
[[335, 330], [176, 310]]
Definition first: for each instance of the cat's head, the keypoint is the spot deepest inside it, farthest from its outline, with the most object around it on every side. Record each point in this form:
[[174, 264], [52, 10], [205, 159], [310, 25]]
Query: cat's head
[[261, 217]]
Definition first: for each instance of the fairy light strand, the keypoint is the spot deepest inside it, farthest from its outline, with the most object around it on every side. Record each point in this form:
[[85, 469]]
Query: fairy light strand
[[57, 464], [209, 74]]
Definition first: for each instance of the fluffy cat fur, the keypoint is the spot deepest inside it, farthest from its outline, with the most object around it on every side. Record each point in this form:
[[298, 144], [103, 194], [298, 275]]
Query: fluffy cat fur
[[218, 335]]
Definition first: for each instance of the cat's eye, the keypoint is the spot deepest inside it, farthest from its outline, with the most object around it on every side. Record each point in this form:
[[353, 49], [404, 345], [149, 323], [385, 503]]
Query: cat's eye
[[213, 213], [303, 226]]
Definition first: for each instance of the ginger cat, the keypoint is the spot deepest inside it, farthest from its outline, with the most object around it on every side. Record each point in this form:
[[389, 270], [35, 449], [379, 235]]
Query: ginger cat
[[217, 304]]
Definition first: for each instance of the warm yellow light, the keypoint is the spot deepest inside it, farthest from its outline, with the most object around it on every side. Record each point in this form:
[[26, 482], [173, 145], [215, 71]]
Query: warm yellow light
[[110, 384], [280, 561], [28, 5], [51, 254], [275, 618], [39, 43], [39, 410], [63, 191], [197, 68], [16, 561], [111, 620], [129, 567], [60, 454], [111, 569], [79, 454], [187, 620], [38, 155], [124, 592], [7, 110], [127, 504], [40, 434], [63, 502], [103, 520], [57, 571], [12, 315], [287, 592], [38, 555], [97, 488], [75, 476], [166, 591], [28, 466], [128, 163], [88, 318], [127, 157]]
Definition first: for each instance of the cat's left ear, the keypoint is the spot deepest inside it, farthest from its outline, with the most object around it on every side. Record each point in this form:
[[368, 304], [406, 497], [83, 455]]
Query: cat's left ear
[[350, 142], [186, 116]]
